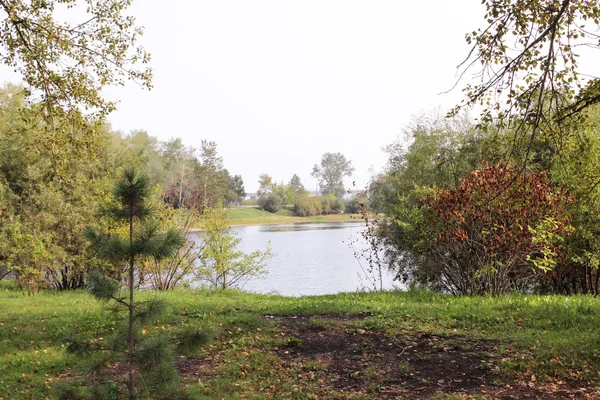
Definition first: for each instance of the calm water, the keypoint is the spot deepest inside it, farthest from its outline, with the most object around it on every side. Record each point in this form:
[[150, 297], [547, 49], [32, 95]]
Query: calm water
[[310, 259]]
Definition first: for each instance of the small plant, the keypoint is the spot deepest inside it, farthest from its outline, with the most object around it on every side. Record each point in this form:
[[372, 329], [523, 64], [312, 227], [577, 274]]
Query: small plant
[[372, 372], [222, 264], [291, 341], [404, 368], [364, 346]]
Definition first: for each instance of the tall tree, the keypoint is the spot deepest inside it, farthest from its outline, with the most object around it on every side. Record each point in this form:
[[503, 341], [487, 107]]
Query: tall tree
[[143, 153], [179, 163], [211, 178], [296, 185], [265, 184], [334, 167], [64, 65], [236, 188]]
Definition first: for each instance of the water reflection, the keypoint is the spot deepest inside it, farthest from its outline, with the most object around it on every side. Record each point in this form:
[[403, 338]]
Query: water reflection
[[302, 227]]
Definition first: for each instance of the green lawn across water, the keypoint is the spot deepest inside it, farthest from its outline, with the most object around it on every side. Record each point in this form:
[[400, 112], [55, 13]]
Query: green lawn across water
[[256, 216]]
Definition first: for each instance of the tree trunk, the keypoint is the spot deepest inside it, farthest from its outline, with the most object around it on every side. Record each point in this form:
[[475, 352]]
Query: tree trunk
[[131, 314]]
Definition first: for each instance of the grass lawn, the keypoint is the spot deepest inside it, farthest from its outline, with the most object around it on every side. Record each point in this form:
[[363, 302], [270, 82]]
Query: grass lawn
[[408, 345], [255, 216]]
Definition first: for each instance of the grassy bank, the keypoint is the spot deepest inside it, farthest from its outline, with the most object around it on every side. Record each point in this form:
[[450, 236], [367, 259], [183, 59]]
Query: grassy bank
[[255, 216], [355, 345]]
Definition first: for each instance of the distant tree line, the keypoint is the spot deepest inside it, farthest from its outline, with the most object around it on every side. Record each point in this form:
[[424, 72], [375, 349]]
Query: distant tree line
[[330, 173]]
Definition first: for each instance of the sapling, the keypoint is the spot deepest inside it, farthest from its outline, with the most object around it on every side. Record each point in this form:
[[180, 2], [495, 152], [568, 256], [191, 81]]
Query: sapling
[[150, 356]]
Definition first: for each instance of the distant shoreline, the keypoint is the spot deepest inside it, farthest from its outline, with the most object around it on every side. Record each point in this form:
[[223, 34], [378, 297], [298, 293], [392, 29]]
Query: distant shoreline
[[278, 219]]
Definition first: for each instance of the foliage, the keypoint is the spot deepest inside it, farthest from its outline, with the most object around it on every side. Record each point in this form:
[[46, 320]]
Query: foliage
[[211, 178], [433, 152], [66, 64], [286, 194], [528, 58], [576, 167], [273, 197], [356, 204], [308, 206], [152, 355], [222, 264], [265, 184], [495, 231], [24, 255], [236, 191], [296, 186], [179, 162], [271, 202], [168, 273], [51, 186], [53, 178], [437, 151], [331, 172], [439, 159]]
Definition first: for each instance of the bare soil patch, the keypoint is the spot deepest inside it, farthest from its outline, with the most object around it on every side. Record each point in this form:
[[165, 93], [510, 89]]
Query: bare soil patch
[[420, 366]]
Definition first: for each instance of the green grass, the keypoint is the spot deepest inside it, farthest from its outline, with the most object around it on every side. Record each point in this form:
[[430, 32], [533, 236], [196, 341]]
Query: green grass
[[255, 216], [552, 337]]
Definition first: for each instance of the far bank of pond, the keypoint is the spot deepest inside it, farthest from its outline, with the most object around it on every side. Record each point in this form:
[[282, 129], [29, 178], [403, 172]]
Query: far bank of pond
[[255, 216]]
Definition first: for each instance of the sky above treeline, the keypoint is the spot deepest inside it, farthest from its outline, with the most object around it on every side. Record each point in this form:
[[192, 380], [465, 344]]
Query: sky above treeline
[[276, 84]]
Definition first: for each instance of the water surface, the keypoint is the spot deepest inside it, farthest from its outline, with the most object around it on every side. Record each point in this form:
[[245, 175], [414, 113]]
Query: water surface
[[311, 259]]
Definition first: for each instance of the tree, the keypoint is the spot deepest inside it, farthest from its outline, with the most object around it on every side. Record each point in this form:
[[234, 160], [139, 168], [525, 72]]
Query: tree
[[295, 189], [179, 162], [576, 167], [296, 184], [265, 184], [211, 178], [434, 153], [236, 188], [285, 193], [437, 151], [144, 241], [143, 152], [528, 55], [334, 167], [51, 188], [65, 65], [222, 264]]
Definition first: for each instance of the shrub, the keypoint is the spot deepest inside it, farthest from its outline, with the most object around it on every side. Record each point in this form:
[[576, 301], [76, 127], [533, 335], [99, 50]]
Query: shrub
[[495, 231], [307, 206], [270, 202]]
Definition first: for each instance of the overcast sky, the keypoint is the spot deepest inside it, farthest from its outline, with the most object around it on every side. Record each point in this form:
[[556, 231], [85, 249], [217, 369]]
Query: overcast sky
[[278, 83]]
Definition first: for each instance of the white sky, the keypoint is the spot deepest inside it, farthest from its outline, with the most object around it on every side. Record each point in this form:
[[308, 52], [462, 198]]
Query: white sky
[[278, 83]]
